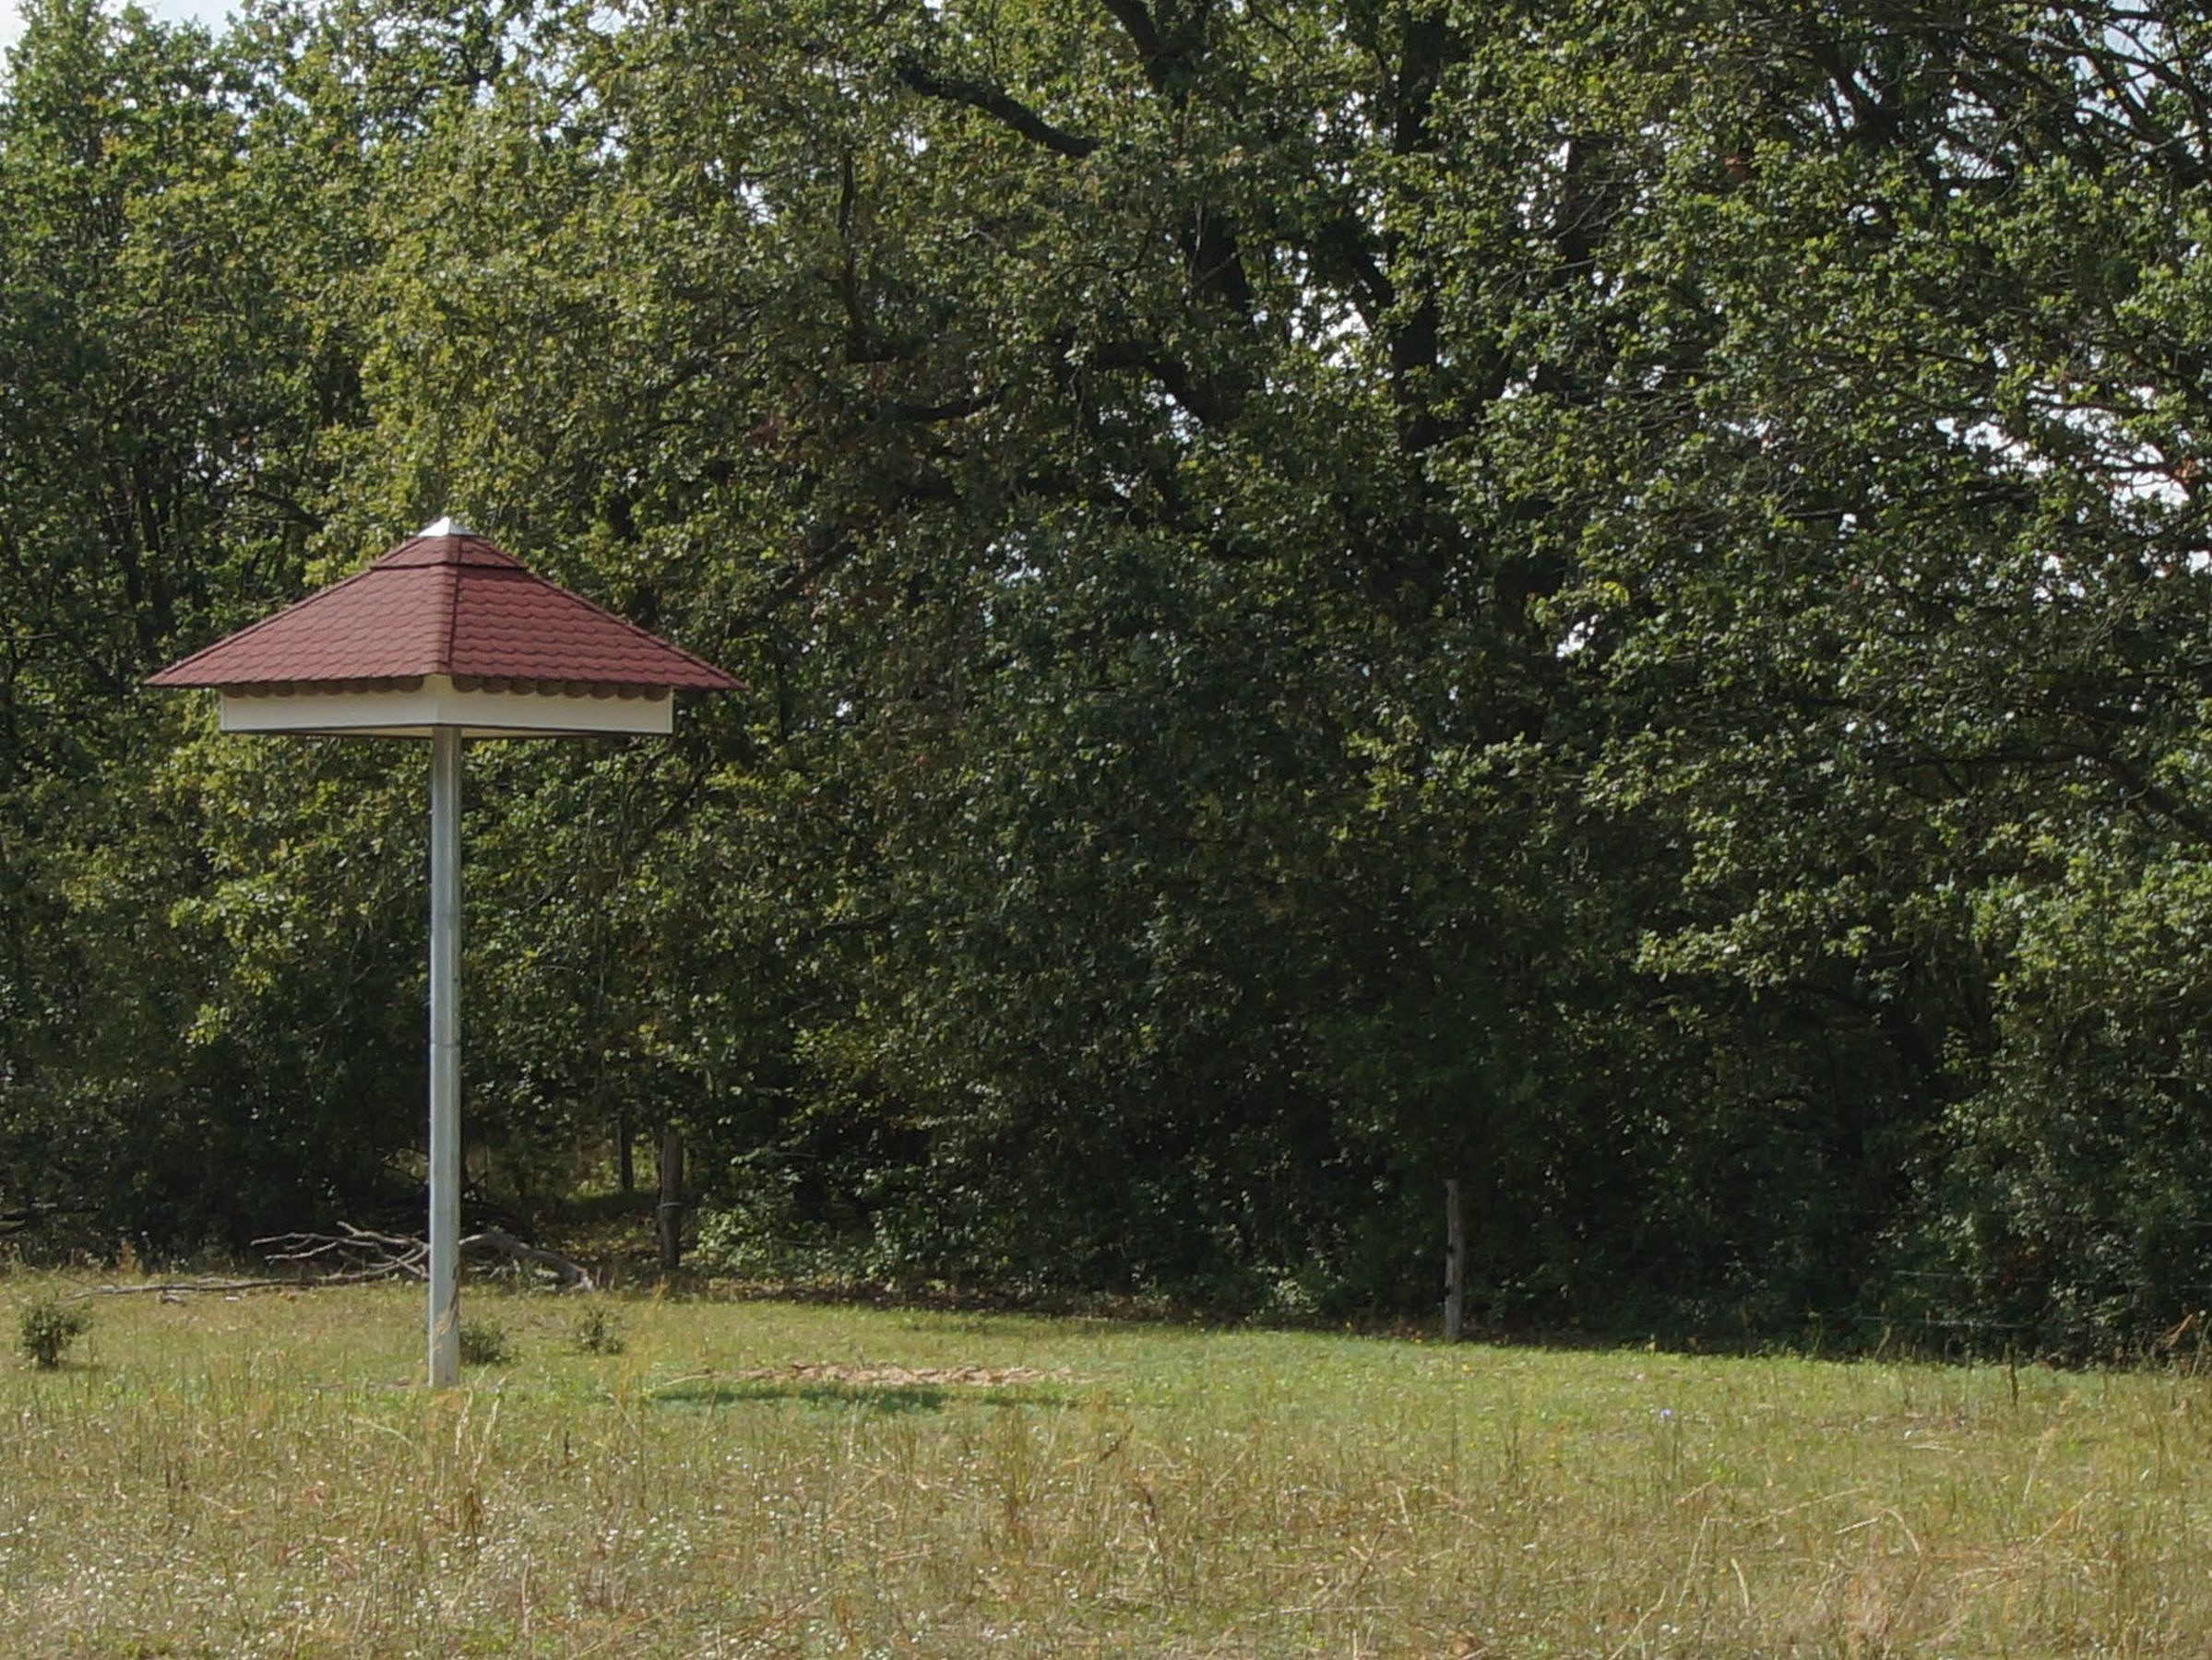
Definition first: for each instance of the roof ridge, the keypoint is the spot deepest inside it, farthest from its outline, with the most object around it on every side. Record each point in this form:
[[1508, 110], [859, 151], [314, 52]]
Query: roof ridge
[[449, 550], [452, 599]]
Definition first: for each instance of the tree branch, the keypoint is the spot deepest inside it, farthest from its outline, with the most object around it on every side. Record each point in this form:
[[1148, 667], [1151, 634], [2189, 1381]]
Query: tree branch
[[1144, 35], [1206, 402], [997, 103]]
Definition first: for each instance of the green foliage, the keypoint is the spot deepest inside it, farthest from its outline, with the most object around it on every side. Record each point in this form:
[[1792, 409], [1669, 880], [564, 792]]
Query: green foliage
[[46, 1328], [1610, 603], [485, 1342], [597, 1332]]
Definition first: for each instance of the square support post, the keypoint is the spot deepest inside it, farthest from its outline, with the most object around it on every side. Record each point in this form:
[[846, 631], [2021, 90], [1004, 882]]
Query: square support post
[[445, 1056]]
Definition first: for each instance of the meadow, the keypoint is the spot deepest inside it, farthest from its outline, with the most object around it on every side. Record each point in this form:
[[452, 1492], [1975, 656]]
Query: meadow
[[258, 1474]]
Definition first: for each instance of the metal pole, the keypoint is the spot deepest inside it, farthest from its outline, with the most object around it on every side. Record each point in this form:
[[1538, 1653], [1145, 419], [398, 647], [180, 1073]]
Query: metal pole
[[445, 1056]]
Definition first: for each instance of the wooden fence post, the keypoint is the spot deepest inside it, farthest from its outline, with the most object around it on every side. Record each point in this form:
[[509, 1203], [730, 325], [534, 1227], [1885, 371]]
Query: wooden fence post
[[1455, 1260], [667, 1215]]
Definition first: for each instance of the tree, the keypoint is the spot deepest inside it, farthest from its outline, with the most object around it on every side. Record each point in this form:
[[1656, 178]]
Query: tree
[[1608, 602]]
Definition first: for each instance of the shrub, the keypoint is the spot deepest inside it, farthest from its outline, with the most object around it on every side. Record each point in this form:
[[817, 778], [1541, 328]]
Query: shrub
[[596, 1334], [485, 1342], [47, 1328]]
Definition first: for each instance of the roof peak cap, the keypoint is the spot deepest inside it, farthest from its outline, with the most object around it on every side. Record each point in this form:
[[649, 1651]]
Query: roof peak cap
[[446, 525]]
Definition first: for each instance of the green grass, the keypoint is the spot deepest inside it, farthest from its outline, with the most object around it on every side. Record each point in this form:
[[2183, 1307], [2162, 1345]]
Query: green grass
[[260, 1476]]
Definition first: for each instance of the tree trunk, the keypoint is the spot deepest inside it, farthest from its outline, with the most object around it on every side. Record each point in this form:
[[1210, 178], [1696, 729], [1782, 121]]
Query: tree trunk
[[625, 1162]]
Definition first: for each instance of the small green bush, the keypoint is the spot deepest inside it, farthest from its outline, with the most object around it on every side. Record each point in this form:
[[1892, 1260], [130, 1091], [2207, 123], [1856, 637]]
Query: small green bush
[[596, 1334], [46, 1329], [485, 1342]]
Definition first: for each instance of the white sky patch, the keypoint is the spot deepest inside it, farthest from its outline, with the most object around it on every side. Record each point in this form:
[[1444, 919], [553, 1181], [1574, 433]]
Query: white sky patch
[[213, 12]]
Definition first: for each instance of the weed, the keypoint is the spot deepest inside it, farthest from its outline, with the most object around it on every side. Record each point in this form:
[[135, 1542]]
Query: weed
[[596, 1334], [46, 1329], [485, 1342]]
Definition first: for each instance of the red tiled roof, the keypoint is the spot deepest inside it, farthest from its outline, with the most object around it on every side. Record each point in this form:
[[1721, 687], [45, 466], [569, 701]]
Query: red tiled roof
[[443, 603]]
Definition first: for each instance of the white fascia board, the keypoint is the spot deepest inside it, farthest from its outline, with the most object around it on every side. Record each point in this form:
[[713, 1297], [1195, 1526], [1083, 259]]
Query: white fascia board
[[439, 702]]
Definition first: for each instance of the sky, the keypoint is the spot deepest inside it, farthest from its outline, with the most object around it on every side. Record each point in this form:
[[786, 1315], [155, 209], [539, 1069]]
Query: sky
[[211, 12]]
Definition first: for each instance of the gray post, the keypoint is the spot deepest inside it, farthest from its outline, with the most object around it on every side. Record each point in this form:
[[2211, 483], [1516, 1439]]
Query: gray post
[[445, 1056]]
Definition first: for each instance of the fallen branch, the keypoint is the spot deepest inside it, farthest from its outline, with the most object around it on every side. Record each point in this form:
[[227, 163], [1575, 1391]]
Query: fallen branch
[[572, 1274], [179, 1288], [369, 1255], [361, 1254]]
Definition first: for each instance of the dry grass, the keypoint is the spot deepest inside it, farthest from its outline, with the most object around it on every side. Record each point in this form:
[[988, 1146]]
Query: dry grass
[[257, 1478]]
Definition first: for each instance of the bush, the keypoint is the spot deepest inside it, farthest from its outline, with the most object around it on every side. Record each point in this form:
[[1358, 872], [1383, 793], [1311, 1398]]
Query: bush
[[47, 1328], [485, 1342], [596, 1334]]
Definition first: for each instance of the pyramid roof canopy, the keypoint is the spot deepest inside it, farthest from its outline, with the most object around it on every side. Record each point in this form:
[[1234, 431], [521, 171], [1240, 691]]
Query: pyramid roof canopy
[[447, 614], [445, 602]]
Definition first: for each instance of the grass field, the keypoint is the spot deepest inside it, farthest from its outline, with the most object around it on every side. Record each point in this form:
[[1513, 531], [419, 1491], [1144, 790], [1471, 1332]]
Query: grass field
[[259, 1476]]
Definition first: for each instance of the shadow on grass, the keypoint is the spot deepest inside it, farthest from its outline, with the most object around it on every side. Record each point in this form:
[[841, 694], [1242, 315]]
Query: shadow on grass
[[886, 1398]]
